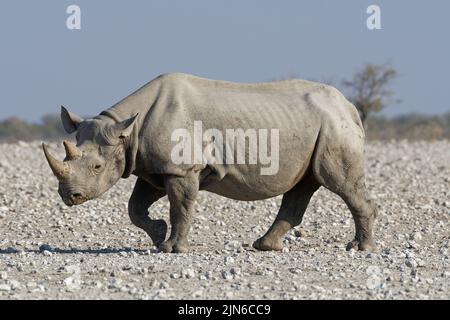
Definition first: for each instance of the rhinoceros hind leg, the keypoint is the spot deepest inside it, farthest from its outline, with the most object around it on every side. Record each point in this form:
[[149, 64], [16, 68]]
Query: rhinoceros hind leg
[[143, 196], [364, 212], [182, 193], [363, 209], [293, 207], [340, 168]]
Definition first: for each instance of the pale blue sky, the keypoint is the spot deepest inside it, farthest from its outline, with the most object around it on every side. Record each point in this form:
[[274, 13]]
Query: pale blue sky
[[124, 44]]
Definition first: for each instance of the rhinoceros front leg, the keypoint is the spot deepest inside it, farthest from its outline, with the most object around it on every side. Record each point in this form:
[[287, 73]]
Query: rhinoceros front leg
[[143, 196], [293, 206], [182, 192]]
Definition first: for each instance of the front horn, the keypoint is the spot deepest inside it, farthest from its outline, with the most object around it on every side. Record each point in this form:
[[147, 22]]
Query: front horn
[[59, 168], [72, 152]]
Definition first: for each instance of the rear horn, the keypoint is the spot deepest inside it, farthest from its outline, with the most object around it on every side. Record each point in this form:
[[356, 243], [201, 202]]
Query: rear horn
[[72, 152]]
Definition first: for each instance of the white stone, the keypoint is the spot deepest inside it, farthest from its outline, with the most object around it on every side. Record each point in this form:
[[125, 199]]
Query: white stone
[[72, 283], [188, 273], [416, 236], [227, 275], [5, 287]]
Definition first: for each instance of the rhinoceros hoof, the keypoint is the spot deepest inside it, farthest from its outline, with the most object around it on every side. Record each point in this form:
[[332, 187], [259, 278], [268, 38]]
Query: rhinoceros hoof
[[171, 247], [364, 245], [267, 244], [158, 232]]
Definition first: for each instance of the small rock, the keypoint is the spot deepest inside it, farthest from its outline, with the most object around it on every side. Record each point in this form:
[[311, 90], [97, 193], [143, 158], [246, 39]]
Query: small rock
[[3, 275], [300, 233], [197, 294], [252, 285], [421, 263], [232, 245], [116, 283], [268, 272], [235, 271], [374, 282], [411, 263], [228, 260], [5, 287], [227, 275], [188, 273], [416, 236], [74, 269], [373, 270], [164, 285], [72, 283], [14, 284]]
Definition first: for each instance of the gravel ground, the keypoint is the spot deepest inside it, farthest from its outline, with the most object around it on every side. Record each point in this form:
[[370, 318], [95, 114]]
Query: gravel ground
[[92, 251]]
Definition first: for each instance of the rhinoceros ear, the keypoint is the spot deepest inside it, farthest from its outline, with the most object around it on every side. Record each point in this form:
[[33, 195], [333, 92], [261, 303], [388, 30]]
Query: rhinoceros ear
[[70, 120], [124, 128]]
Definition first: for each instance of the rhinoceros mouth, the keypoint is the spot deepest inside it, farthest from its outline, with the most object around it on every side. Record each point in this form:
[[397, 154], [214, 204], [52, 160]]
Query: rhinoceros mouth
[[74, 199], [77, 202], [71, 203]]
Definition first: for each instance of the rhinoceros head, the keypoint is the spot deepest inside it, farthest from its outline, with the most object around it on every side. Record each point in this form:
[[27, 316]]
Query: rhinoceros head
[[98, 160]]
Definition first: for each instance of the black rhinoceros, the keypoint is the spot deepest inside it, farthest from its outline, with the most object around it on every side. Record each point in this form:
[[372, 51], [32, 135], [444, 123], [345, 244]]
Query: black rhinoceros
[[317, 141]]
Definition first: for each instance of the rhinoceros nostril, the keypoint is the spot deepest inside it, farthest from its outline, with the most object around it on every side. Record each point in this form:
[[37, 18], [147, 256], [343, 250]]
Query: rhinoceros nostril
[[76, 196]]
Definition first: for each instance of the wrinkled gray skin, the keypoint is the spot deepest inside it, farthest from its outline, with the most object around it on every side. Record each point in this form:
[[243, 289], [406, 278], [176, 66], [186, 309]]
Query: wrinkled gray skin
[[321, 144]]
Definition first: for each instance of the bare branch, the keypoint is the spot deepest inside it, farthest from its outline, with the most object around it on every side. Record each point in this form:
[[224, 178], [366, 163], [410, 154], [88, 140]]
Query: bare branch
[[368, 88]]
